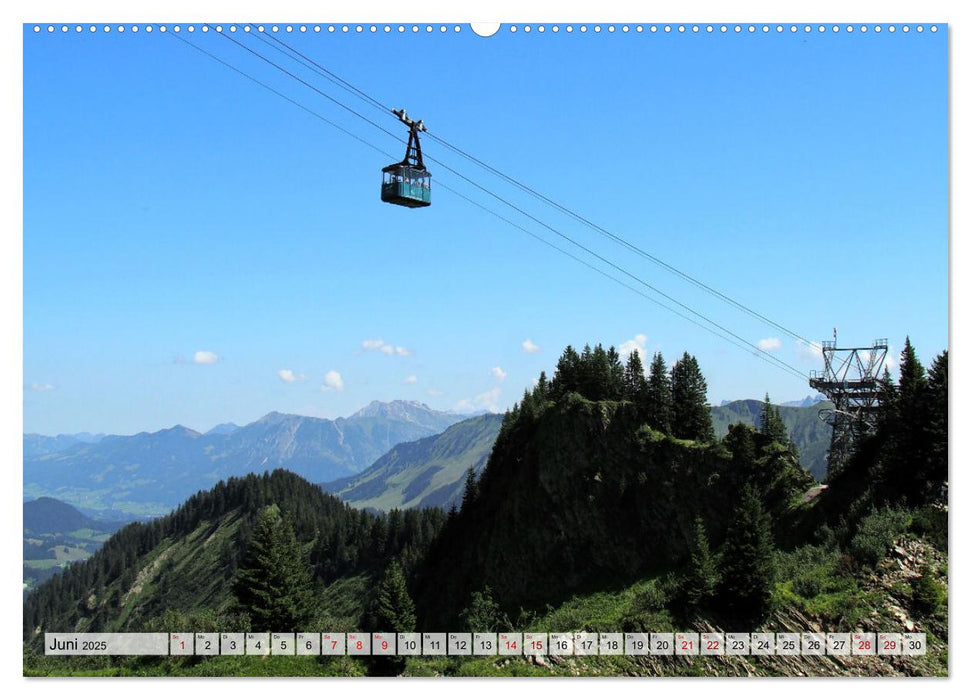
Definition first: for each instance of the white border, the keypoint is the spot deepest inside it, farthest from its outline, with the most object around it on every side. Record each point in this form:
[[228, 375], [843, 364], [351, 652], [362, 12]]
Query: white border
[[603, 11]]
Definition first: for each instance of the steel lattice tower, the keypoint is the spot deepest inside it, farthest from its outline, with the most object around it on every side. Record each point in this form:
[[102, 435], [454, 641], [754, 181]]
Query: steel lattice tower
[[850, 379]]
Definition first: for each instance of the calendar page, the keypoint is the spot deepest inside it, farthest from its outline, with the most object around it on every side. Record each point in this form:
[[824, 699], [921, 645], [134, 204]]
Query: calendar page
[[436, 349]]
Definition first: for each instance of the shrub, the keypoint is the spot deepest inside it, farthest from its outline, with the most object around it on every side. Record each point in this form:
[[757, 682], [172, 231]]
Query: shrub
[[928, 594], [875, 534], [652, 598], [930, 523]]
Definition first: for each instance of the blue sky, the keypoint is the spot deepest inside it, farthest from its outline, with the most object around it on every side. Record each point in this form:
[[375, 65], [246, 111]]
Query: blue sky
[[189, 235]]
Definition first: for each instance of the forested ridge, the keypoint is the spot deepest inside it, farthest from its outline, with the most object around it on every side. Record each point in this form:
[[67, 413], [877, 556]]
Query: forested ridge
[[140, 573]]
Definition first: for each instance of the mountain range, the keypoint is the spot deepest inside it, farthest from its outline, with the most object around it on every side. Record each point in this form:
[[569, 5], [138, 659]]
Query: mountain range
[[387, 455], [36, 445], [150, 473]]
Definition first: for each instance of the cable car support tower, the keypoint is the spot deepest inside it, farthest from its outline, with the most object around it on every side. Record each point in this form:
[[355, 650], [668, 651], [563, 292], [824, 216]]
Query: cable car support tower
[[850, 379]]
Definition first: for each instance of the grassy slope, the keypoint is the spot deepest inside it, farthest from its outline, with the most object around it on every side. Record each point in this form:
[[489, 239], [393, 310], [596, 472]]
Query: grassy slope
[[427, 472]]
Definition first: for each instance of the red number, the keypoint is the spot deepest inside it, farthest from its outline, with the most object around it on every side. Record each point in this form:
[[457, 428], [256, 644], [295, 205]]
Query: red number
[[333, 644], [712, 644], [865, 644], [359, 646], [384, 646], [685, 644]]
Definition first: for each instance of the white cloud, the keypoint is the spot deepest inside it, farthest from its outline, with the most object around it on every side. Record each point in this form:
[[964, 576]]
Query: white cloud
[[41, 387], [891, 362], [769, 344], [435, 392], [806, 351], [205, 357], [289, 376], [386, 348], [529, 347], [411, 379], [638, 342], [489, 400], [333, 380], [498, 373]]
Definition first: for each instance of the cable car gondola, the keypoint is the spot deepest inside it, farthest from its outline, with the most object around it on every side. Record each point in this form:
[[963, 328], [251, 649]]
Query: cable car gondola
[[407, 183]]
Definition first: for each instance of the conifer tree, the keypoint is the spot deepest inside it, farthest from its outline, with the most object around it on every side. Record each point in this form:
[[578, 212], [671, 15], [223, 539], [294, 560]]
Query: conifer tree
[[393, 609], [542, 389], [702, 579], [567, 376], [908, 447], [471, 489], [771, 425], [600, 378], [691, 416], [273, 583], [937, 418], [635, 383], [740, 440], [615, 375], [886, 417], [748, 569], [657, 400]]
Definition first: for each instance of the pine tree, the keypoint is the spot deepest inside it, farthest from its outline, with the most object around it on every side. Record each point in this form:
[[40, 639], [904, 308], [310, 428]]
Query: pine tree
[[886, 416], [656, 408], [542, 389], [913, 380], [635, 383], [748, 560], [771, 426], [393, 609], [600, 375], [740, 440], [702, 579], [691, 416], [908, 447], [567, 376], [273, 584], [471, 489], [615, 375], [937, 419]]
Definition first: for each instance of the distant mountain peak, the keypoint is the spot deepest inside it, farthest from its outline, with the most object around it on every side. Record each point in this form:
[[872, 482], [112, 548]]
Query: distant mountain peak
[[223, 429], [810, 400], [275, 418], [399, 408], [179, 429]]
